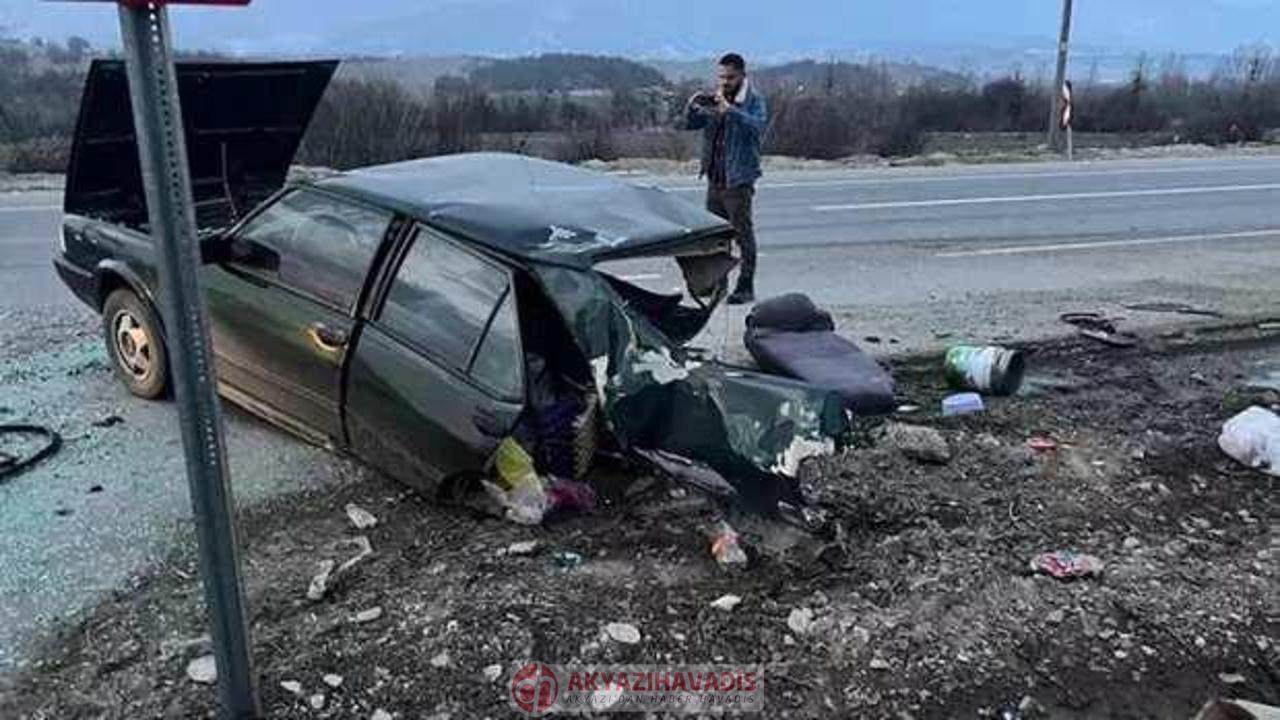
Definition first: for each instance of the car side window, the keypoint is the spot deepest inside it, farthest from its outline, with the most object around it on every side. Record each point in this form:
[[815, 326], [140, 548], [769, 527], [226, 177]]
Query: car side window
[[445, 300], [325, 244]]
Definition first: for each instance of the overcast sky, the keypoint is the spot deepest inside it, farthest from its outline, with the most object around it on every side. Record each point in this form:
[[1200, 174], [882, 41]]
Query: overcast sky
[[674, 27]]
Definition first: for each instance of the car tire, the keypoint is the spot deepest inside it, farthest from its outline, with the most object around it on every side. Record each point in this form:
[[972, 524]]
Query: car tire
[[135, 345]]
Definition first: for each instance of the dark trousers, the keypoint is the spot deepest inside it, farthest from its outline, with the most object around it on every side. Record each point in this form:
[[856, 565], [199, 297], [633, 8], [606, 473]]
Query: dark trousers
[[734, 204]]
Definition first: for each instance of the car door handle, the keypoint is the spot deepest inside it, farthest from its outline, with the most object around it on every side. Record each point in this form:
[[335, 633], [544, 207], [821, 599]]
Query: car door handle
[[490, 424], [327, 338]]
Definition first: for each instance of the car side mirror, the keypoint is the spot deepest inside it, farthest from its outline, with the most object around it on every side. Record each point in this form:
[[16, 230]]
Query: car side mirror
[[240, 251]]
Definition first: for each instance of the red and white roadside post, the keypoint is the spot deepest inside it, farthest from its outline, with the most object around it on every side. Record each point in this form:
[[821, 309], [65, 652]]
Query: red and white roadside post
[[1067, 117], [162, 150]]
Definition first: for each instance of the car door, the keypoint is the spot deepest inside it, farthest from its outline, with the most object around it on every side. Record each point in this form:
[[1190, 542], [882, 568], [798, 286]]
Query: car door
[[283, 316], [438, 377]]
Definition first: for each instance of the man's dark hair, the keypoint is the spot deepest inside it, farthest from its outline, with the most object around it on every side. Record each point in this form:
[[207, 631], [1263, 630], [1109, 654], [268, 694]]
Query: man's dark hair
[[735, 61]]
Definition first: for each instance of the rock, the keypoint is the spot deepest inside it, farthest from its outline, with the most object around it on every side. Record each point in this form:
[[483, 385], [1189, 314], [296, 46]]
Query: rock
[[441, 660], [367, 616], [492, 673], [922, 444], [800, 620], [316, 701], [292, 687], [879, 663], [726, 602], [818, 599], [1056, 617], [170, 649], [203, 670], [1175, 548], [1132, 543], [333, 681], [360, 518], [624, 633], [380, 714], [528, 547], [1232, 678], [320, 581]]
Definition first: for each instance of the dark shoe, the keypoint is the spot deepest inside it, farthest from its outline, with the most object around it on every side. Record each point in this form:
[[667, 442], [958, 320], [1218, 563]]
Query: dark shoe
[[742, 296]]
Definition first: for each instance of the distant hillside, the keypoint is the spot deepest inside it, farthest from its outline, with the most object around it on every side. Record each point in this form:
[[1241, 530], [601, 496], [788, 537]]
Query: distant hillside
[[563, 72], [841, 76]]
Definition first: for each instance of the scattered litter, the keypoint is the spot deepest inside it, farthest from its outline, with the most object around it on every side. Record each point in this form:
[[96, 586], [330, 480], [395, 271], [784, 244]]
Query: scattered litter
[[108, 421], [1066, 565], [380, 714], [879, 663], [1269, 325], [332, 680], [923, 444], [623, 632], [492, 673], [1232, 678], [203, 670], [362, 519], [994, 370], [1252, 438], [320, 581], [441, 660], [1172, 307], [316, 701], [726, 547], [1097, 326], [1237, 710], [367, 616], [908, 409], [571, 496], [519, 489], [962, 404], [726, 602], [11, 465], [800, 620], [94, 489], [292, 686], [1042, 444], [520, 549], [567, 559]]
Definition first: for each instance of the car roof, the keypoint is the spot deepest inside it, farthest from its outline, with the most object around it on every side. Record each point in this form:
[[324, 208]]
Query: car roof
[[532, 209]]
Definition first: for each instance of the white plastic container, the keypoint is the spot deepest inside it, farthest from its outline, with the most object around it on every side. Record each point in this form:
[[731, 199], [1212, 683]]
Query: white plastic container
[[1253, 438]]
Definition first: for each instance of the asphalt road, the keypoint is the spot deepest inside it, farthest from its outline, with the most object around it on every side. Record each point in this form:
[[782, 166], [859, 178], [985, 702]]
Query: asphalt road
[[918, 258]]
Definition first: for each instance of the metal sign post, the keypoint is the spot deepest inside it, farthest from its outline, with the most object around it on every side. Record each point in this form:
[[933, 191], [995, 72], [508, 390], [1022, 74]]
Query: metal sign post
[[153, 92]]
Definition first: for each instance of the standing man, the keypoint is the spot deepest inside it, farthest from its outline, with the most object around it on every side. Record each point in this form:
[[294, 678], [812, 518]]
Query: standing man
[[732, 122]]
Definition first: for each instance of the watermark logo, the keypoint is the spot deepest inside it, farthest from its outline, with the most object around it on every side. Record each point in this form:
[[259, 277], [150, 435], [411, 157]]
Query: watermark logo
[[539, 689], [534, 689]]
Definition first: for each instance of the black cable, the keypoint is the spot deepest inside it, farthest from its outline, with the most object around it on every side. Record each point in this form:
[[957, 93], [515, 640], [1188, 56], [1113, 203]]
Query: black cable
[[17, 465]]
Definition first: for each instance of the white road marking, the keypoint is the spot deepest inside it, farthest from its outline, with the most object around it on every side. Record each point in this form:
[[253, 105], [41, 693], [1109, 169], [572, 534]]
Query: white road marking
[[888, 180], [28, 208], [1067, 247], [1005, 199]]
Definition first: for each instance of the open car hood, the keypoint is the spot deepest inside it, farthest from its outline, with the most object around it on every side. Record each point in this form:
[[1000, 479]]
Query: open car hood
[[243, 121]]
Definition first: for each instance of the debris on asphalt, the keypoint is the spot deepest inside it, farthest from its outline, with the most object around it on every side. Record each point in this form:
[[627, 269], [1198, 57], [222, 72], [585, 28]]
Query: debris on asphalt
[[923, 444], [523, 548], [316, 701], [492, 672], [1097, 326], [800, 620], [360, 518], [292, 686], [1066, 565], [381, 714], [108, 421], [962, 404], [1252, 438], [1232, 678], [1042, 444], [320, 581], [624, 633], [988, 370], [367, 616], [880, 664], [1172, 307], [203, 670], [567, 559], [332, 680], [726, 546], [441, 660], [1237, 710], [726, 602]]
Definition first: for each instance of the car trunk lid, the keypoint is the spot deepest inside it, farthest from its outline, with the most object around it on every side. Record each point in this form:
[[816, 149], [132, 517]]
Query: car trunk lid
[[243, 123]]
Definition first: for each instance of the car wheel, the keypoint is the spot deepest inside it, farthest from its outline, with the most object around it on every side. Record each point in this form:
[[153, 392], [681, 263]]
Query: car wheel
[[134, 343]]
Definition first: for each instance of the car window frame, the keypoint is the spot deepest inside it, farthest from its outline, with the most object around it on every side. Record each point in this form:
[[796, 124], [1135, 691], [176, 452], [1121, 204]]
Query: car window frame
[[392, 232], [387, 279]]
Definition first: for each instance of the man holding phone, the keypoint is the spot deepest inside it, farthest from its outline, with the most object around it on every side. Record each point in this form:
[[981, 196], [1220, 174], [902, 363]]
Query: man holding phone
[[732, 121]]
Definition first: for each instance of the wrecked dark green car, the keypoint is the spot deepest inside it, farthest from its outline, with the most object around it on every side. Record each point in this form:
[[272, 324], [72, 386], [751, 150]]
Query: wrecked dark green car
[[416, 314]]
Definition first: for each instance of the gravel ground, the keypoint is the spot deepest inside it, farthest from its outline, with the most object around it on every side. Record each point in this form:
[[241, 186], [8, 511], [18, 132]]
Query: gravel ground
[[926, 609]]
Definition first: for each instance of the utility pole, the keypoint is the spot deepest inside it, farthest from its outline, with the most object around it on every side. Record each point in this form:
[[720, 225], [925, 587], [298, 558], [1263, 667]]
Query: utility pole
[[1055, 92]]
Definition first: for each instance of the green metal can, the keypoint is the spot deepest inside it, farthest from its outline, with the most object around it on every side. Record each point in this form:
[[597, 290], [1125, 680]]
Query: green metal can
[[991, 370]]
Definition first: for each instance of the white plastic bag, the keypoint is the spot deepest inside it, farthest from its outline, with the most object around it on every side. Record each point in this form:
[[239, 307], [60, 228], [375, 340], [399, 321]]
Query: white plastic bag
[[1253, 438]]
